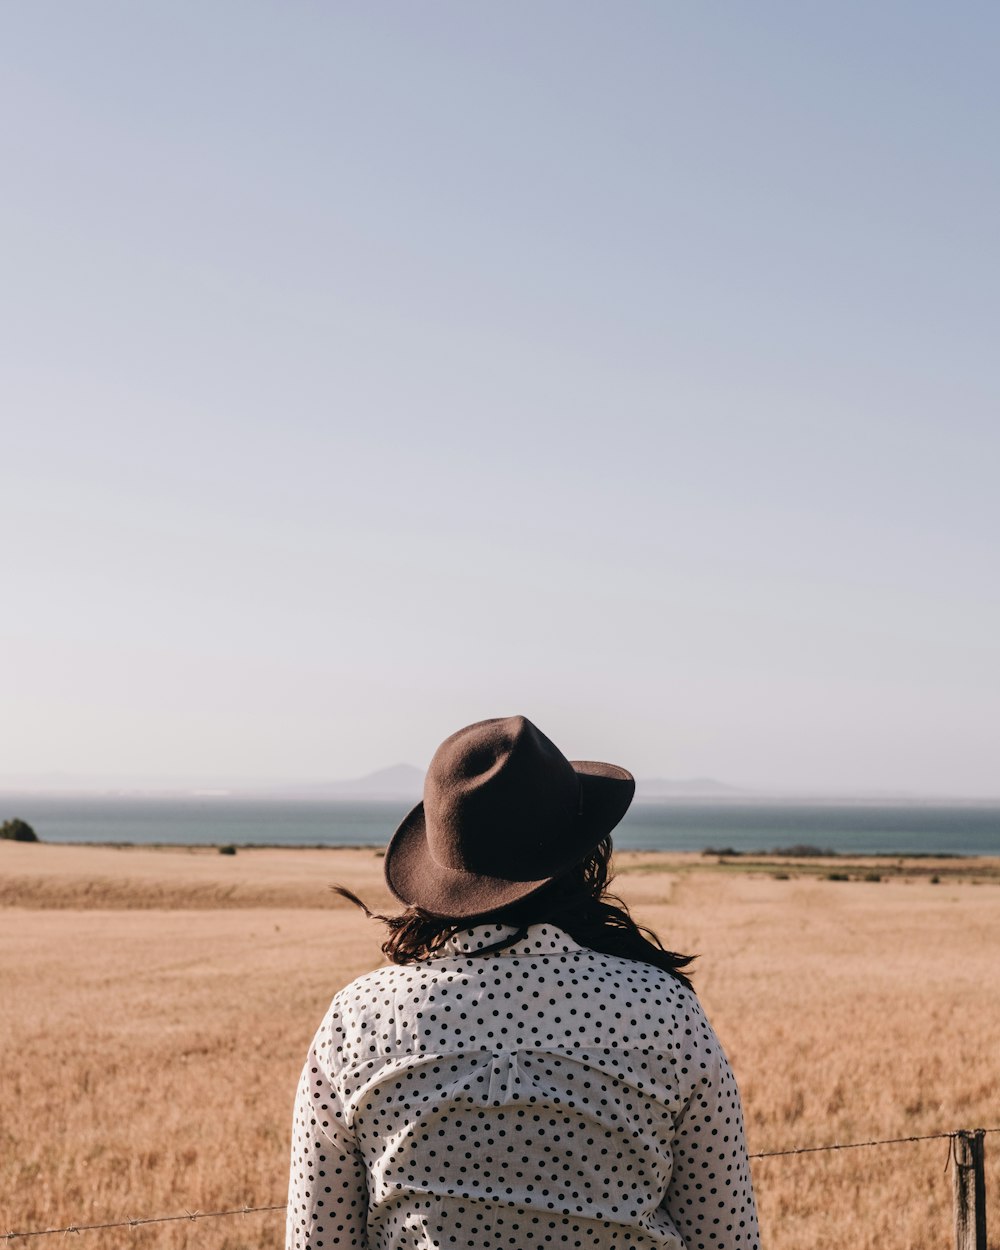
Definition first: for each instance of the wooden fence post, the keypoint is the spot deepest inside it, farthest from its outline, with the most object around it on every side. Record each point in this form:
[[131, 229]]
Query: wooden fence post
[[970, 1190]]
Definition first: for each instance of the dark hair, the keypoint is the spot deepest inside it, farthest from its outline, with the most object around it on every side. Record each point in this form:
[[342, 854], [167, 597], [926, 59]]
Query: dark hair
[[578, 903]]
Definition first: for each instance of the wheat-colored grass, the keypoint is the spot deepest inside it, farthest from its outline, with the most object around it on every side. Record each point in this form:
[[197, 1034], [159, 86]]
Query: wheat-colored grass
[[157, 1005]]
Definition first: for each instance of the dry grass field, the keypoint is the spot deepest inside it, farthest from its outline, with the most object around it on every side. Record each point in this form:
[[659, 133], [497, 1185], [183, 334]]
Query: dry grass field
[[157, 1005]]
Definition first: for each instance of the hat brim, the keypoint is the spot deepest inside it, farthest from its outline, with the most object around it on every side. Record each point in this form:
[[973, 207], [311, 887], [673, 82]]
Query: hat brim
[[417, 880]]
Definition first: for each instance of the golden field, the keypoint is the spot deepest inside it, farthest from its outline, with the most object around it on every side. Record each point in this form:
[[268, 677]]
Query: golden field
[[157, 1005]]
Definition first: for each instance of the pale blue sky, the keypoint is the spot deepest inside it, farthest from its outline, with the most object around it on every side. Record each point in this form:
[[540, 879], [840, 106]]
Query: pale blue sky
[[371, 368]]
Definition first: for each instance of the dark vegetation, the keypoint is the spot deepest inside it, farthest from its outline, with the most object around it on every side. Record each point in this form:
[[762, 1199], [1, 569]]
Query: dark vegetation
[[794, 862], [799, 851], [17, 830], [803, 850]]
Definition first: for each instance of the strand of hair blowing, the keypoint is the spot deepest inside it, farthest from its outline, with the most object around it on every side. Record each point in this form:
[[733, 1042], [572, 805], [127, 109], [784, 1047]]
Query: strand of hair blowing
[[578, 903]]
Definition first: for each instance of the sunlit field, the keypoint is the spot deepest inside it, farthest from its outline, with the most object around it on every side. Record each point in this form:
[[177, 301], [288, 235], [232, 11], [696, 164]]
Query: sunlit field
[[157, 1006]]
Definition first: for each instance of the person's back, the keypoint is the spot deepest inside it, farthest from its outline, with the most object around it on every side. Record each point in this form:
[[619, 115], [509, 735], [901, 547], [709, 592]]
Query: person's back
[[544, 1094], [534, 1068]]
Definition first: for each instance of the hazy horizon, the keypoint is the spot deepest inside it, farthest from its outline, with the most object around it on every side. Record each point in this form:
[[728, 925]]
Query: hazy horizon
[[374, 369], [208, 785]]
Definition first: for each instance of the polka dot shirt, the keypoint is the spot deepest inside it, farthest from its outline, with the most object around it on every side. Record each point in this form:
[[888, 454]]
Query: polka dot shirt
[[541, 1095]]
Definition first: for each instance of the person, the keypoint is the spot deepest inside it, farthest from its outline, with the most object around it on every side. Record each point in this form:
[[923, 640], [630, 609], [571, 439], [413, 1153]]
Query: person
[[531, 1068]]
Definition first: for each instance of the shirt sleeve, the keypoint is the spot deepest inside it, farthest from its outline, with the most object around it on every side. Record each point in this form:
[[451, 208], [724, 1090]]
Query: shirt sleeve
[[327, 1187], [710, 1197]]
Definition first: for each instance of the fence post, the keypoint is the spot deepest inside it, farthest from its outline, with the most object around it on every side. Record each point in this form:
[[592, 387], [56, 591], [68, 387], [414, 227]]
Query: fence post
[[970, 1190]]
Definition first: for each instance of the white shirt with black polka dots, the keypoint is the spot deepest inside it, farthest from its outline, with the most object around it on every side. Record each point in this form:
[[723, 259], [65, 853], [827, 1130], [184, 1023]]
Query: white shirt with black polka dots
[[542, 1095]]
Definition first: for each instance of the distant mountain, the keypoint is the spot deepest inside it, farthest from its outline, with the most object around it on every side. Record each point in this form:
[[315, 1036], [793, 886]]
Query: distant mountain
[[403, 781], [400, 781], [685, 788]]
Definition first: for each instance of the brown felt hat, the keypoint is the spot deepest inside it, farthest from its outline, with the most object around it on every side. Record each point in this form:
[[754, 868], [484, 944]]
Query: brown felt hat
[[504, 812]]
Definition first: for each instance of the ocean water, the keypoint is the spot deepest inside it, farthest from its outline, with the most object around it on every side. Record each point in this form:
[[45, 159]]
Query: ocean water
[[968, 828]]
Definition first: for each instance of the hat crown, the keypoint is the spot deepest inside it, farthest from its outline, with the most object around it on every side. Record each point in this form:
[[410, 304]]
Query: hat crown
[[504, 814], [497, 790]]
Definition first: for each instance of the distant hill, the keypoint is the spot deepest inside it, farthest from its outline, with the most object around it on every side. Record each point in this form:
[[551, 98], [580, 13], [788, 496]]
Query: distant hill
[[403, 781], [400, 781]]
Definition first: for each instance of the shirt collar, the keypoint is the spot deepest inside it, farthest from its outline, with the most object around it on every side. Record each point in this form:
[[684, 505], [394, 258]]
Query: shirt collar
[[540, 939]]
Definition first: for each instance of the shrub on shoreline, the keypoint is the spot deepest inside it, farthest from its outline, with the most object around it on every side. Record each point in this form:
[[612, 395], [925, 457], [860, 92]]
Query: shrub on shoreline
[[800, 850], [17, 830]]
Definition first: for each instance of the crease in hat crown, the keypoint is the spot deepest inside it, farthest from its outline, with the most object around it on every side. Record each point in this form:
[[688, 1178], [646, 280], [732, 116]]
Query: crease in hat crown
[[504, 811]]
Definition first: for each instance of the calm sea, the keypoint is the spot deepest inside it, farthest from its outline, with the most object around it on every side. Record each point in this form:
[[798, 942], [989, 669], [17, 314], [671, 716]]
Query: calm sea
[[684, 825]]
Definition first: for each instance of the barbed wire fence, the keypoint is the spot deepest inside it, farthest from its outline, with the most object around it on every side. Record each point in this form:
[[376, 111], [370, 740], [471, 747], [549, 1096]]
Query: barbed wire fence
[[965, 1153]]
